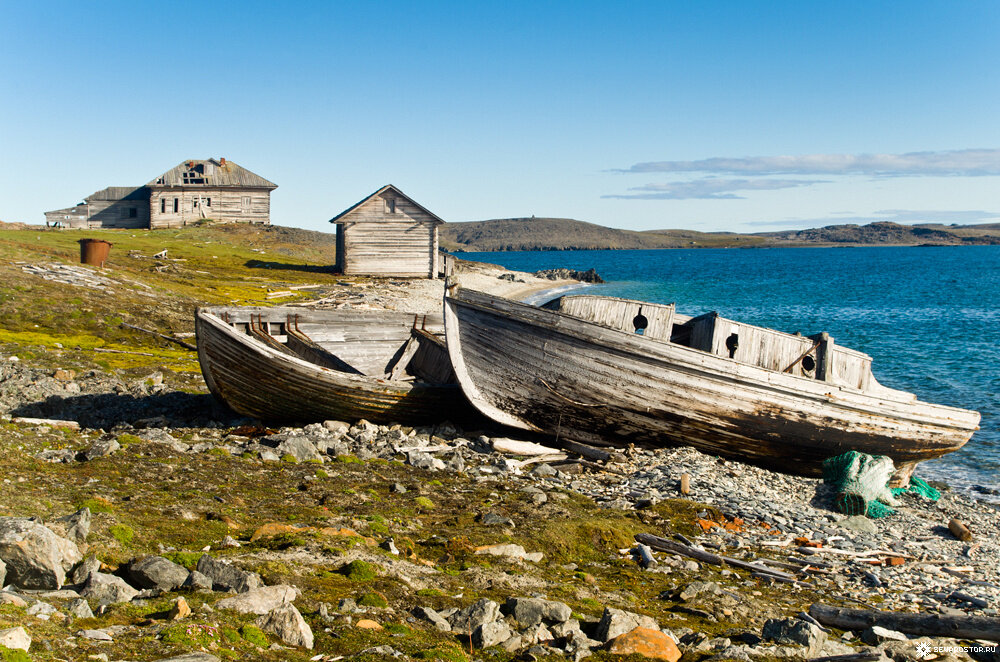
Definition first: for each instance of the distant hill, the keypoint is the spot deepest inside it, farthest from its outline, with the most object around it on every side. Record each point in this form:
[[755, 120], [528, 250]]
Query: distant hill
[[549, 234], [544, 234]]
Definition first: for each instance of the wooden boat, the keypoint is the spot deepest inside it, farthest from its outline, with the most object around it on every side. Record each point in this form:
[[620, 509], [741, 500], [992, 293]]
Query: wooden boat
[[297, 365], [609, 371]]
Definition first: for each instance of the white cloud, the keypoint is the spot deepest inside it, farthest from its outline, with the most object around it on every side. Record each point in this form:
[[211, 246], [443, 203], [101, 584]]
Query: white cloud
[[710, 189], [949, 163]]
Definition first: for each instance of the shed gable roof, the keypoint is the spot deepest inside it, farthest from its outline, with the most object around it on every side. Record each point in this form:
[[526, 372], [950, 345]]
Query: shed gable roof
[[211, 173], [341, 216]]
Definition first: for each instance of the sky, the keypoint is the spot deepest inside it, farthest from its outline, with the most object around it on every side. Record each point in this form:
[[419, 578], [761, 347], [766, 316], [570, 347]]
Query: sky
[[734, 116]]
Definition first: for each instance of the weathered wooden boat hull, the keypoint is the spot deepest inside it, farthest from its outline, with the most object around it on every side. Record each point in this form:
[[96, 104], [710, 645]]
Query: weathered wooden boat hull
[[547, 371], [261, 381]]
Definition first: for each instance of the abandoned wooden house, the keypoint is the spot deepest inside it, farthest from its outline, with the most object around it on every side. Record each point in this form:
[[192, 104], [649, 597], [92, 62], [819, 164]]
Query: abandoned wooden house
[[194, 190], [388, 234]]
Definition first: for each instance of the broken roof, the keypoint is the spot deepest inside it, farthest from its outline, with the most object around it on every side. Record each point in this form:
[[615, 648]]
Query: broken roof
[[211, 173]]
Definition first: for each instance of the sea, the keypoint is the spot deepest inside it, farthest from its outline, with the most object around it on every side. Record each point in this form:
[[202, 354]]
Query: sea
[[929, 316]]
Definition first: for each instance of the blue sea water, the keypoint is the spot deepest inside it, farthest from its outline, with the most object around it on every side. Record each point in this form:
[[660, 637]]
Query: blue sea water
[[929, 316]]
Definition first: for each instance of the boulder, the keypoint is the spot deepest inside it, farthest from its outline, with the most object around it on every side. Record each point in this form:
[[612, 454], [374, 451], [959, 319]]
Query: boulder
[[792, 631], [226, 576], [527, 612], [101, 448], [179, 610], [491, 634], [83, 571], [157, 572], [616, 622], [510, 550], [436, 619], [301, 448], [288, 625], [468, 619], [198, 582], [34, 556], [877, 635], [80, 608], [75, 526], [15, 638], [260, 601], [107, 589], [646, 642]]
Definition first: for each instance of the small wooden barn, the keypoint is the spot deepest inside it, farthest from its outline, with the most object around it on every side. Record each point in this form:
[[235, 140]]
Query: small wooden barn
[[388, 234]]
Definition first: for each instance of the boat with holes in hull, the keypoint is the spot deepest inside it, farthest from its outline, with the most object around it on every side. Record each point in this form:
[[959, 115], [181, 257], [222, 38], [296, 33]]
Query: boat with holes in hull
[[613, 372], [297, 365]]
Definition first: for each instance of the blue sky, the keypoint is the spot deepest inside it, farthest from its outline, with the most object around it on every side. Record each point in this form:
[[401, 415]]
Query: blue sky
[[706, 115]]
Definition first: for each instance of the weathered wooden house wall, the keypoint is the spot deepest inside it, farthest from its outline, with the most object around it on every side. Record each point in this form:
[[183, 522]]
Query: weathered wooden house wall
[[388, 234], [173, 207], [119, 207]]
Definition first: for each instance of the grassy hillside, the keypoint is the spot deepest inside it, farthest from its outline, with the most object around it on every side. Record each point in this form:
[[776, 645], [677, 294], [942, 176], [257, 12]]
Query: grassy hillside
[[203, 266]]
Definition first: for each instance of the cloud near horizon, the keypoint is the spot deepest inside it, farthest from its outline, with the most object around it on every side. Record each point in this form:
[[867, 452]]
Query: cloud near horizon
[[948, 163], [710, 189]]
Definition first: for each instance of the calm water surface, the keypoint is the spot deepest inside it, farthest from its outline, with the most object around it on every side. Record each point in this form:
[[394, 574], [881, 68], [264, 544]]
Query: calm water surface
[[929, 317]]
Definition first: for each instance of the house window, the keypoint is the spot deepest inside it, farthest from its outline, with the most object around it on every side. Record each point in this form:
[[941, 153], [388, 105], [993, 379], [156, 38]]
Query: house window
[[163, 205], [177, 205], [246, 202], [208, 202], [390, 205], [133, 212]]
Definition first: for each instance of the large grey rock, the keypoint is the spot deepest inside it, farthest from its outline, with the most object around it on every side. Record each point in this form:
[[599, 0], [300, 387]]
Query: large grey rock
[[15, 638], [301, 448], [3, 573], [792, 631], [86, 568], [527, 612], [616, 622], [75, 526], [260, 601], [491, 634], [35, 556], [191, 657], [226, 576], [436, 619], [80, 608], [198, 582], [157, 572], [108, 589], [288, 625], [101, 448], [468, 619]]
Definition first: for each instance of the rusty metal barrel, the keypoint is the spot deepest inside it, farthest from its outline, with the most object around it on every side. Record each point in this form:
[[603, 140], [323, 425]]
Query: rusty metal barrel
[[94, 251]]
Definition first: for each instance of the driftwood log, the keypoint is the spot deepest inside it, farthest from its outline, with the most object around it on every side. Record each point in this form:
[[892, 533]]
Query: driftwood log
[[933, 625], [665, 545], [183, 344]]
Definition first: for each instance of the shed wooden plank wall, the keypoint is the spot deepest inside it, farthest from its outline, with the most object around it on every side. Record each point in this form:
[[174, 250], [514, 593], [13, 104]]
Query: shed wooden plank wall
[[117, 214], [378, 241]]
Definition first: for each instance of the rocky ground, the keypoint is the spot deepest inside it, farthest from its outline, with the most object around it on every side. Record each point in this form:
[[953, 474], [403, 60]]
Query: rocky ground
[[168, 526]]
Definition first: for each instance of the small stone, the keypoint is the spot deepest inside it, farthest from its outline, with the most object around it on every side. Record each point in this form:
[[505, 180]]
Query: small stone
[[528, 612], [198, 582], [616, 622], [157, 572], [397, 488], [476, 614], [15, 638], [792, 631], [101, 448], [108, 589], [80, 608], [226, 576], [95, 635], [191, 657], [179, 610], [858, 523], [491, 634], [368, 624], [260, 601], [287, 624], [877, 635], [510, 550], [646, 642], [433, 617]]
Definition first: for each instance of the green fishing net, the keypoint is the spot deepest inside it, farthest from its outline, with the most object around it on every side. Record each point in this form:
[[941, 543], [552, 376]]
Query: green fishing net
[[862, 484]]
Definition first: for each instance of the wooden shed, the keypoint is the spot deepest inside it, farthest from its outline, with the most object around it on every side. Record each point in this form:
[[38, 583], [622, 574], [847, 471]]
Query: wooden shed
[[387, 234]]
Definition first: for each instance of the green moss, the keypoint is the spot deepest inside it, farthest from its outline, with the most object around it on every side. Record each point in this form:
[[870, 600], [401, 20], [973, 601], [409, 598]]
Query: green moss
[[187, 559], [289, 458], [429, 593], [359, 571], [126, 439], [123, 534], [13, 655], [349, 459], [231, 635], [190, 635], [373, 600], [424, 503], [95, 505], [322, 474], [444, 654], [219, 452], [254, 635], [398, 629]]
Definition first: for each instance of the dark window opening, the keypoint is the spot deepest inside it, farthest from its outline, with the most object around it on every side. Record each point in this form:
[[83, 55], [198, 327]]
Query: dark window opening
[[133, 212], [177, 205], [208, 202], [639, 323], [732, 344], [390, 205], [163, 205], [808, 364]]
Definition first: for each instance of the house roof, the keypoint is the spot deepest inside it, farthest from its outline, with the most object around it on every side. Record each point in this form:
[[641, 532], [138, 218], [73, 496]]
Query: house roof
[[211, 173], [382, 190], [115, 193]]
